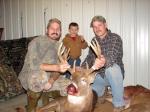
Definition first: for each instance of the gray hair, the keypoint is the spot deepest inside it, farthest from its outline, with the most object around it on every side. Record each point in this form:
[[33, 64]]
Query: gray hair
[[97, 18], [53, 20]]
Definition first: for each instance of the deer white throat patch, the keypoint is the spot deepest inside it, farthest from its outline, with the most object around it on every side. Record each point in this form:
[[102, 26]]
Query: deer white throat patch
[[76, 99]]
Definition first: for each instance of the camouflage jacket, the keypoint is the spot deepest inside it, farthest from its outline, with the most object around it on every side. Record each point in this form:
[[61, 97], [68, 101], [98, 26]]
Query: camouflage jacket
[[40, 50]]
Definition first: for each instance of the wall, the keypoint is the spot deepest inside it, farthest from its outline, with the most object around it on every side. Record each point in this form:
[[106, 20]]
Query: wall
[[128, 18]]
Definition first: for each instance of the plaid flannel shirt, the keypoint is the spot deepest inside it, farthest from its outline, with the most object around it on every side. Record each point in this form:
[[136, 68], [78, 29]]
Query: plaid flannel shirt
[[112, 49]]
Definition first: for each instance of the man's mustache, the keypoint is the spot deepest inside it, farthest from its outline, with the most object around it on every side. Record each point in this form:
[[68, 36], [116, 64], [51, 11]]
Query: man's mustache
[[55, 34], [99, 31]]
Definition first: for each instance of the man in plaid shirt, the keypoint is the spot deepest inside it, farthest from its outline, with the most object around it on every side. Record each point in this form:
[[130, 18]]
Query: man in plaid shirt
[[112, 72]]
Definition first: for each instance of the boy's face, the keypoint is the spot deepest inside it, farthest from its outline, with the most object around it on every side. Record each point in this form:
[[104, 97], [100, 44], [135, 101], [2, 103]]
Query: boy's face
[[73, 30]]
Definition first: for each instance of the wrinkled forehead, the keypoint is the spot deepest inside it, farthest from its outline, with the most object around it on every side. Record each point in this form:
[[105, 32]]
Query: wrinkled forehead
[[54, 24]]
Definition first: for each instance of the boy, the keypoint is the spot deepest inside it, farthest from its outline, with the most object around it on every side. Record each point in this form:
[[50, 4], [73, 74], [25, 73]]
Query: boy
[[76, 43]]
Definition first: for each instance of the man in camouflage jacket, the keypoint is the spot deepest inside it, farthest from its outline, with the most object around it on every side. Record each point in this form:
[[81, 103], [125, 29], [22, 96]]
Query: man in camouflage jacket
[[40, 68]]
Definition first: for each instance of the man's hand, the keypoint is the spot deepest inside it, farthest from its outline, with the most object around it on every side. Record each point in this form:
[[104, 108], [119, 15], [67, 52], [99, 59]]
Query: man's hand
[[82, 38], [99, 63], [49, 84], [63, 67]]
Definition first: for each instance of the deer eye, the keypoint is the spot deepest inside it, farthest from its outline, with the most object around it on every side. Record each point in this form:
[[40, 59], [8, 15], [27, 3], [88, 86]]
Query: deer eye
[[83, 81]]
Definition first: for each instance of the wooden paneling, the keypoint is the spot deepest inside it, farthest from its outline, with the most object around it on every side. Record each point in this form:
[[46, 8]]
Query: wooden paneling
[[41, 14], [30, 17], [48, 6], [128, 37], [114, 15], [8, 19], [76, 14], [100, 7], [142, 41], [2, 18], [23, 18], [149, 47], [66, 9], [15, 18], [87, 16], [56, 7]]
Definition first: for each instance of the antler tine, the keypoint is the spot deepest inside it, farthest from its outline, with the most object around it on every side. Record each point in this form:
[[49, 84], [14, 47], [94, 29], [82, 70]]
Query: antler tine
[[87, 66], [74, 66], [63, 49], [63, 56], [96, 47], [62, 53], [59, 52], [92, 44], [72, 70]]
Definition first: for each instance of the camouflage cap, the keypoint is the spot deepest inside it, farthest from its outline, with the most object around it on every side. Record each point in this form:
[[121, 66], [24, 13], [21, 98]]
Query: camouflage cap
[[97, 18]]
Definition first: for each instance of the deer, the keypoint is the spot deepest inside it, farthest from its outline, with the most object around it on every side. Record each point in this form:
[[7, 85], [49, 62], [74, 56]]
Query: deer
[[80, 95], [137, 99]]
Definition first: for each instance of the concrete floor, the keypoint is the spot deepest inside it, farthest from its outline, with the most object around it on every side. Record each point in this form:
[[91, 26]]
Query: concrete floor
[[10, 105], [20, 101]]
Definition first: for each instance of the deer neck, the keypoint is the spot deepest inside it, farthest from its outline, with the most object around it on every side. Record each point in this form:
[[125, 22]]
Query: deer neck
[[76, 99], [80, 99]]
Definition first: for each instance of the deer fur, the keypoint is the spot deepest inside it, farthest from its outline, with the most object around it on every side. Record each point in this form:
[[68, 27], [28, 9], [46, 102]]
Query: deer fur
[[137, 99], [81, 101]]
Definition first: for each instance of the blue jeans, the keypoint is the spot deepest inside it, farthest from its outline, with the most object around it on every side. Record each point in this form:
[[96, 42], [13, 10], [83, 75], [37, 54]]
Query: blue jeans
[[71, 61], [114, 78]]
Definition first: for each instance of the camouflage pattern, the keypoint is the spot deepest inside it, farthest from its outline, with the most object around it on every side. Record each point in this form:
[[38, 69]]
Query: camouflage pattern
[[37, 80], [9, 83], [15, 51], [40, 50], [61, 84], [12, 54]]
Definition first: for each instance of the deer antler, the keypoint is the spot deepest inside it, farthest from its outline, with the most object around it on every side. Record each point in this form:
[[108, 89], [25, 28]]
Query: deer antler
[[63, 56], [96, 48], [62, 53]]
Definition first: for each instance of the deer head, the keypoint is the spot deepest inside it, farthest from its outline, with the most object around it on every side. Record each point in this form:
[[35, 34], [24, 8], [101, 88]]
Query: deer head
[[83, 77]]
